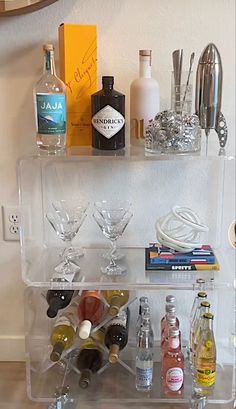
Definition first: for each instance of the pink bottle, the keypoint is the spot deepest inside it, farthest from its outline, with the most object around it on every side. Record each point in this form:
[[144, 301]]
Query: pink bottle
[[173, 365], [170, 309], [171, 321]]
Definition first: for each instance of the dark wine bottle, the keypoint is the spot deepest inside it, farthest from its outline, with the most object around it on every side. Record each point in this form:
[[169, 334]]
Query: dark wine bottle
[[108, 117], [89, 361], [58, 299], [116, 336]]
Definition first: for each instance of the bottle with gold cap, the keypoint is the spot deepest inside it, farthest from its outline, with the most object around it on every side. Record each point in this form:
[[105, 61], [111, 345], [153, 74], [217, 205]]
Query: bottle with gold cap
[[201, 296], [50, 106], [116, 299], [90, 358], [116, 336], [205, 359], [196, 334], [62, 337]]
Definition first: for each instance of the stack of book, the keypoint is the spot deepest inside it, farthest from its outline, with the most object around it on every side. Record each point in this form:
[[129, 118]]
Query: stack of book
[[163, 258]]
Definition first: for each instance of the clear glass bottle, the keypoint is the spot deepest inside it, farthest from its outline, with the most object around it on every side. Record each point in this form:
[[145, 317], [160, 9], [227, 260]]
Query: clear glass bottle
[[205, 360], [195, 302], [144, 98], [173, 365], [144, 357], [50, 106], [197, 327], [142, 300], [201, 296]]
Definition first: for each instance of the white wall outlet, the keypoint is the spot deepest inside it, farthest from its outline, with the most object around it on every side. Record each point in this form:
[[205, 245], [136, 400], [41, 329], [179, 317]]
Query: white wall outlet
[[10, 221]]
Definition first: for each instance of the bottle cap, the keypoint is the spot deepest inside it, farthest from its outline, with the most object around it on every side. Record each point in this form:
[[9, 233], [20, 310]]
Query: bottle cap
[[57, 351], [170, 308], [173, 332], [143, 300], [205, 304], [107, 80], [208, 315], [48, 47], [84, 329], [145, 53], [202, 294], [114, 353], [85, 378], [171, 319], [200, 281], [170, 299]]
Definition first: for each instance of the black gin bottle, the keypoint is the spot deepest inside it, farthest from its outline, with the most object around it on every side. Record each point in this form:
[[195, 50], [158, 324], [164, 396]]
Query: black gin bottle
[[108, 117]]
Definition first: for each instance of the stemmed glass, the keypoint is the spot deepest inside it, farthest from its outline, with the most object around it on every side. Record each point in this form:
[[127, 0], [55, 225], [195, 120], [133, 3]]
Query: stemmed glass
[[113, 212], [112, 228], [66, 219]]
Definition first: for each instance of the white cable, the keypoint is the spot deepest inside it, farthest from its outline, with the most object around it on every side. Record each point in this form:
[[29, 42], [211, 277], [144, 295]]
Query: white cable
[[180, 229]]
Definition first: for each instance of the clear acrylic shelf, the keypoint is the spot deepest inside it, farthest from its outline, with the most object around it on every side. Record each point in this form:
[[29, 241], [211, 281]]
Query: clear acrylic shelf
[[152, 186], [41, 263], [116, 383]]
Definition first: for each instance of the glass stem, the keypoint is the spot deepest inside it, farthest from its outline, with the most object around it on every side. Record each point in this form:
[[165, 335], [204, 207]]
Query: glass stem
[[112, 253], [64, 254]]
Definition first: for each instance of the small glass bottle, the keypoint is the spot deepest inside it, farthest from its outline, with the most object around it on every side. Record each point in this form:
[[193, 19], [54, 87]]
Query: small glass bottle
[[144, 357], [205, 360], [142, 301], [197, 327], [170, 309], [201, 296], [173, 365], [108, 117], [50, 106], [201, 283]]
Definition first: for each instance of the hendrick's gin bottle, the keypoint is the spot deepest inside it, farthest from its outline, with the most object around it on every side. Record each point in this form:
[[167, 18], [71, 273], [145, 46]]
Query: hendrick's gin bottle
[[108, 122]]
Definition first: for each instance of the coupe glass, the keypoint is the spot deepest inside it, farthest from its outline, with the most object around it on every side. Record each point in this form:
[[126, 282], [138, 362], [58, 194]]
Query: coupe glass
[[113, 230], [66, 219], [112, 211]]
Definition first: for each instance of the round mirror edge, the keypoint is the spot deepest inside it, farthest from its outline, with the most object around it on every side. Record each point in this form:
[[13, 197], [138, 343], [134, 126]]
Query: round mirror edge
[[27, 9]]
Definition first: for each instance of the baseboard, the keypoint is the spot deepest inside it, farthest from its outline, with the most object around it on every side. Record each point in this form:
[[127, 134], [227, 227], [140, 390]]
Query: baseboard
[[12, 348]]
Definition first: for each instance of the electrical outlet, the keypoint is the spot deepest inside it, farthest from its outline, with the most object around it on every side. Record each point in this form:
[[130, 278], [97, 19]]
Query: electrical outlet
[[10, 221]]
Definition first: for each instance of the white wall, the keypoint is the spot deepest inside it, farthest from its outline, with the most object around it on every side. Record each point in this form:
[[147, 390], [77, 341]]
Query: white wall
[[124, 26]]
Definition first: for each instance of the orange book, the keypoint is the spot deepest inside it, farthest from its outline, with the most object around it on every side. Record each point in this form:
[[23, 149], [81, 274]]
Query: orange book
[[78, 69]]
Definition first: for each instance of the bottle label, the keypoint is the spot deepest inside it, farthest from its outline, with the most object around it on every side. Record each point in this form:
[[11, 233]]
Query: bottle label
[[206, 377], [108, 121], [144, 376], [174, 379], [51, 113]]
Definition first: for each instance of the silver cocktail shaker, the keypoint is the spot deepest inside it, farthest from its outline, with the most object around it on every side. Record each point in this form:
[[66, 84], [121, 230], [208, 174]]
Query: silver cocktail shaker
[[209, 92]]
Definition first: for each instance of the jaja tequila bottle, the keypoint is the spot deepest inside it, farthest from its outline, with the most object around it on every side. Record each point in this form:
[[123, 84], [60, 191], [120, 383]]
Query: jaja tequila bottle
[[50, 106]]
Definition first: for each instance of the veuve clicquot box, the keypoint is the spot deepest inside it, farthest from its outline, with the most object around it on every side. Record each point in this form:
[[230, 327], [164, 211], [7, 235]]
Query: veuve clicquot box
[[78, 69]]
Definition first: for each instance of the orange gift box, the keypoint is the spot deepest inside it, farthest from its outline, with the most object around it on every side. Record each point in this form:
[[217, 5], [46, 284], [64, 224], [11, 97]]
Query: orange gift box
[[78, 69]]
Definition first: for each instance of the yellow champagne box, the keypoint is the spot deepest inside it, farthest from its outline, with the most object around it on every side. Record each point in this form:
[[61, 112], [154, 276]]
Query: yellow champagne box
[[78, 69]]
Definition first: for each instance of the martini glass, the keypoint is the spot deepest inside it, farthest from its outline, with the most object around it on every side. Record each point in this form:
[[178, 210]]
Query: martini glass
[[113, 230], [66, 220], [112, 211]]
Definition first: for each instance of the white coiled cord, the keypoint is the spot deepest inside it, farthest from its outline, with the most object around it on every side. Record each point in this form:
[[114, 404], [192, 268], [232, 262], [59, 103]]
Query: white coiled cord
[[180, 229]]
